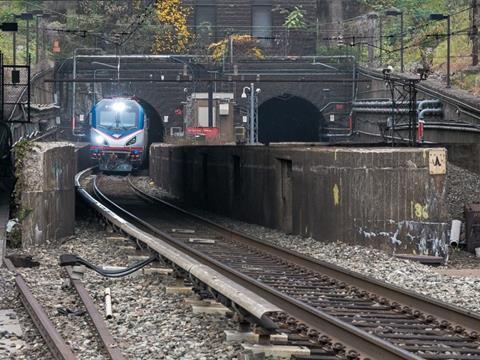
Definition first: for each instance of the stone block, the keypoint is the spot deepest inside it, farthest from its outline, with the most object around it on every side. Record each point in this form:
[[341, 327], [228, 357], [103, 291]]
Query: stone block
[[47, 193], [11, 334], [157, 271], [240, 336], [182, 290], [49, 166], [278, 351], [48, 216], [210, 309]]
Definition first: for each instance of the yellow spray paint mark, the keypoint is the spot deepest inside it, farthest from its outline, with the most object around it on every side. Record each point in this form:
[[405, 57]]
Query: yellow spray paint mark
[[336, 195], [419, 211]]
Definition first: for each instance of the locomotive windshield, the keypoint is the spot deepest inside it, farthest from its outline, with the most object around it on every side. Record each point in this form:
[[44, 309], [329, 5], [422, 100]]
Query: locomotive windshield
[[118, 114]]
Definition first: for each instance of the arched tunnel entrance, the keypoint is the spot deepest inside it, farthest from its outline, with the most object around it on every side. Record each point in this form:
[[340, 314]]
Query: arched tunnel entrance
[[156, 131], [289, 118]]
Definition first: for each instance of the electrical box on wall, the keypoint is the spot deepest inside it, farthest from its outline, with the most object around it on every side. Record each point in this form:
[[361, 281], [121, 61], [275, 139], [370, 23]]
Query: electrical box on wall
[[224, 109]]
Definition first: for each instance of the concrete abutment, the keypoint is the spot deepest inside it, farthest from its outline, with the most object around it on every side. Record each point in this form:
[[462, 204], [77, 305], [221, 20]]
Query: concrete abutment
[[46, 190], [380, 197]]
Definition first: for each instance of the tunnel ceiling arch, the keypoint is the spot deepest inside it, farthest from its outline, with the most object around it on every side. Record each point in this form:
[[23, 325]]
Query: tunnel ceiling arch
[[156, 126], [289, 118]]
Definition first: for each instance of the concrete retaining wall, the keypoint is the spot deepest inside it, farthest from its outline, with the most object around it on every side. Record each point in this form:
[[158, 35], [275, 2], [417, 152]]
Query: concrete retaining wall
[[47, 199], [385, 198]]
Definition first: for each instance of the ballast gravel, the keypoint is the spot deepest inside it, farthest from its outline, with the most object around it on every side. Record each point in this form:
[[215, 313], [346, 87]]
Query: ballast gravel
[[457, 290], [463, 188], [34, 347], [147, 323]]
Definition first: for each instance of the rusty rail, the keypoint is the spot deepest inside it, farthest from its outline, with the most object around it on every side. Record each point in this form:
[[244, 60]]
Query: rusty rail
[[52, 337], [109, 343]]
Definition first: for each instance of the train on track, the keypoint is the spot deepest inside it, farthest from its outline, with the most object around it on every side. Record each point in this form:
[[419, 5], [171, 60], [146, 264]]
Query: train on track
[[119, 134]]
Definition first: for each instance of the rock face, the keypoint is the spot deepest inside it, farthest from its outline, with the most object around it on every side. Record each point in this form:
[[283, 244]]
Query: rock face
[[47, 193]]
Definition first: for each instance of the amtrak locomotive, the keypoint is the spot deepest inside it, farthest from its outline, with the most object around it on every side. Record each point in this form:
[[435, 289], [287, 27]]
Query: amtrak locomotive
[[119, 134]]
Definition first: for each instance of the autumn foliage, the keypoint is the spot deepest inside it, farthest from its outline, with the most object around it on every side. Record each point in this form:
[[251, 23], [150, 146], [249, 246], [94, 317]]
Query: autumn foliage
[[175, 36], [243, 45]]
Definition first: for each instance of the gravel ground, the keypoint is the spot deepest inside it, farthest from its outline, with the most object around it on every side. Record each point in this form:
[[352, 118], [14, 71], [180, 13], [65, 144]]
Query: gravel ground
[[147, 323], [35, 346], [463, 187], [460, 291]]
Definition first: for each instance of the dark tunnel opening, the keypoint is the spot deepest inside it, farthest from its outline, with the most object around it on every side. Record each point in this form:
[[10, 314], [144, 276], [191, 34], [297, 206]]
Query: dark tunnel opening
[[156, 131], [289, 119]]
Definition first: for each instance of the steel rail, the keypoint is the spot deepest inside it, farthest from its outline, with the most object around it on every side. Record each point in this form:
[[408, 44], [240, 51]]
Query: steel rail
[[442, 311], [57, 346], [348, 335], [109, 343]]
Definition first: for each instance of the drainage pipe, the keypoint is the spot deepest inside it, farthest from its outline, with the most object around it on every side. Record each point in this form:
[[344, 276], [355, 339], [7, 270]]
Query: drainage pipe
[[455, 233]]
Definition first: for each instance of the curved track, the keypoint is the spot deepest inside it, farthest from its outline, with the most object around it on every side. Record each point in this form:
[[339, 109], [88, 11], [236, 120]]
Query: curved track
[[324, 302]]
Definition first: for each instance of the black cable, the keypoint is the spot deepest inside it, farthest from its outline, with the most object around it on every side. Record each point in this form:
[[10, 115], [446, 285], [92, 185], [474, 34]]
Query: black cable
[[73, 260]]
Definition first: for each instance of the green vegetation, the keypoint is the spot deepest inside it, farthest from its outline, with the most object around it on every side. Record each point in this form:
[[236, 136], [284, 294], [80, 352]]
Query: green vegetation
[[20, 151], [426, 40]]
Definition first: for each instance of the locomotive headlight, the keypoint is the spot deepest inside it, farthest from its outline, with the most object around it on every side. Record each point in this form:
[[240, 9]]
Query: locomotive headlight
[[119, 106], [99, 139], [132, 141]]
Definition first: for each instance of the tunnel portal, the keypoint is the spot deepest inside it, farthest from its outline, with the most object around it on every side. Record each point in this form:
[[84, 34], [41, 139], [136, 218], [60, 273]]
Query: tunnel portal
[[289, 118]]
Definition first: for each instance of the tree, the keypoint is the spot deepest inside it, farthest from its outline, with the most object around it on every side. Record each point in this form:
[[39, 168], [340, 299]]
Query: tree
[[242, 45], [174, 34], [295, 18]]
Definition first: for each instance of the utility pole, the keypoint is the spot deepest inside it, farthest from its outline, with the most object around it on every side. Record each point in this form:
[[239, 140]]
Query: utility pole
[[474, 31], [36, 39], [27, 54], [449, 46], [14, 43]]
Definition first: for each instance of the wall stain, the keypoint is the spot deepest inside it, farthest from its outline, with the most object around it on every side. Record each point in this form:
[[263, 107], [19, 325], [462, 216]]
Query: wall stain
[[336, 195]]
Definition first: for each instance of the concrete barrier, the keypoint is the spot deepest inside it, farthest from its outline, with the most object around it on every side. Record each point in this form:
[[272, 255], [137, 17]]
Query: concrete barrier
[[47, 193], [380, 197]]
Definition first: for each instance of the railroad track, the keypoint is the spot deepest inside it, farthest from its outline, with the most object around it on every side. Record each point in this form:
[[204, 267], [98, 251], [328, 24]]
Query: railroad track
[[341, 313], [57, 345]]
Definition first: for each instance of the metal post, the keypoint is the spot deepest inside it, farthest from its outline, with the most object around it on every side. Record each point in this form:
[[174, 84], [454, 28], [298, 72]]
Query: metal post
[[14, 43], [210, 105], [402, 43], [36, 39], [449, 37], [381, 40], [2, 98], [252, 113], [28, 42], [74, 87], [475, 25], [44, 48], [28, 88], [231, 48]]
